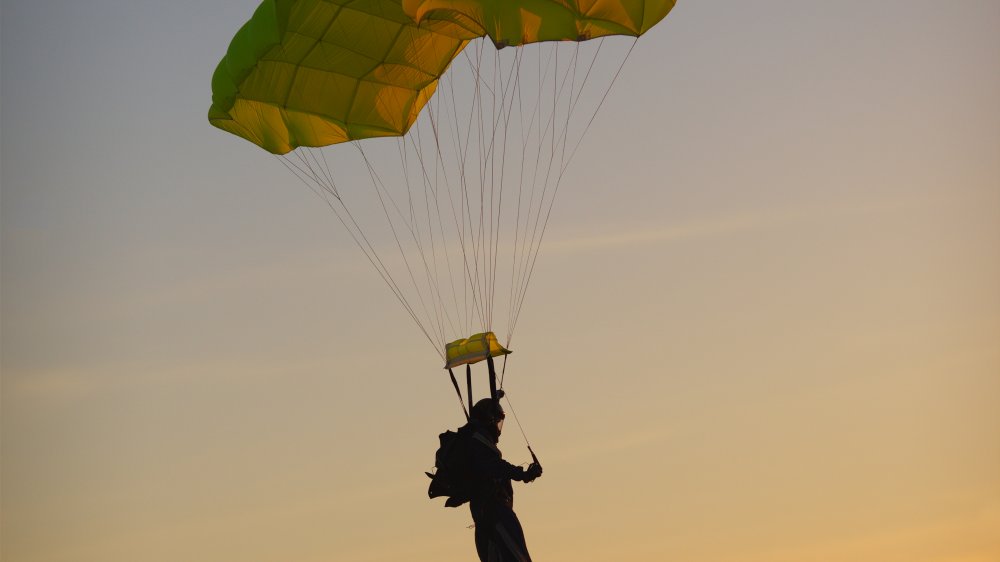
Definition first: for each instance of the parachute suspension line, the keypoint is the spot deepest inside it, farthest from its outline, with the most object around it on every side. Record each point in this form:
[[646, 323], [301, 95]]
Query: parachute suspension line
[[376, 183], [537, 236], [433, 189], [529, 245], [485, 232], [510, 407], [481, 147], [370, 251], [490, 165], [308, 178], [398, 290], [415, 226], [463, 313], [542, 78], [490, 151], [526, 137], [456, 136], [550, 128], [550, 132], [479, 227], [488, 136], [565, 165], [358, 236], [427, 182], [464, 143], [499, 119], [460, 228], [505, 115], [474, 106], [439, 164], [485, 177], [484, 235], [517, 218], [586, 76], [431, 273], [503, 371], [569, 111], [309, 169], [442, 306], [464, 135], [535, 248], [601, 103], [464, 146]]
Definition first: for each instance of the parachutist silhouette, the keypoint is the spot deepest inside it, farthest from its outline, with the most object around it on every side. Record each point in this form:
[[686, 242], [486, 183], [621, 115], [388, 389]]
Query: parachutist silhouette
[[499, 537]]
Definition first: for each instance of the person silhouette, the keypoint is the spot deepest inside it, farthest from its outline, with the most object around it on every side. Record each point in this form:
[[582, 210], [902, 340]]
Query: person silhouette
[[499, 536]]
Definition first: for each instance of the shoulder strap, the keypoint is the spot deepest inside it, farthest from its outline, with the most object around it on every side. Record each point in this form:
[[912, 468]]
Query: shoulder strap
[[479, 437]]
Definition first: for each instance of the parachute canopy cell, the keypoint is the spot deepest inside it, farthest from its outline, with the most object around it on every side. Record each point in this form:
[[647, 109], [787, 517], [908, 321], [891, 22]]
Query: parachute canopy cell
[[519, 22], [321, 72], [315, 73], [473, 349]]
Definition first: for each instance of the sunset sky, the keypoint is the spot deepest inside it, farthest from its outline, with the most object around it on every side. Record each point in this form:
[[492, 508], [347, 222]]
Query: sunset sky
[[764, 325]]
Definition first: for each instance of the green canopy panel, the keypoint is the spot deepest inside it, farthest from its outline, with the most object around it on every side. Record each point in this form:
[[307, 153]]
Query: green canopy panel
[[316, 73], [473, 349], [519, 22], [322, 72]]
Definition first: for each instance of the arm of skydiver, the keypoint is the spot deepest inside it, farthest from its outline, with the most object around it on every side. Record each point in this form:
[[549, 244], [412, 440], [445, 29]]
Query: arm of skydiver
[[488, 462]]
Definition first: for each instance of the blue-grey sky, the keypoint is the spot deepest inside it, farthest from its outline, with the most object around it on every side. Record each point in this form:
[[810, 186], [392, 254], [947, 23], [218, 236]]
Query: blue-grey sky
[[765, 323]]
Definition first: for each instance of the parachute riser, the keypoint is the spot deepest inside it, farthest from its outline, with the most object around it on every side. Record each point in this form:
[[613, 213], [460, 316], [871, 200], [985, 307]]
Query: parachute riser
[[454, 383], [468, 383], [493, 378]]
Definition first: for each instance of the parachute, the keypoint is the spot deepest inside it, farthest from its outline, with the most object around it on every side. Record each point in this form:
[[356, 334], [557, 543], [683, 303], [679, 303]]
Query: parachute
[[437, 131]]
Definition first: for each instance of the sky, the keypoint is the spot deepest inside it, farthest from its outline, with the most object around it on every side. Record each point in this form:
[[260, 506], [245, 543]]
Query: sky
[[764, 325]]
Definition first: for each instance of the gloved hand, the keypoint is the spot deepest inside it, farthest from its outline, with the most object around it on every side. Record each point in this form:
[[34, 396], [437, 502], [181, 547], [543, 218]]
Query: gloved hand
[[534, 471]]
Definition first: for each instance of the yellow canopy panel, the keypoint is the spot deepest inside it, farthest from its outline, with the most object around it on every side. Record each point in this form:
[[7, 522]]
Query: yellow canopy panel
[[473, 349]]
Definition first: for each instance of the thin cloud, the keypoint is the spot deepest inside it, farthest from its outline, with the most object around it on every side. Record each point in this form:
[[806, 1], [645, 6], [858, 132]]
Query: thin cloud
[[647, 236], [719, 227]]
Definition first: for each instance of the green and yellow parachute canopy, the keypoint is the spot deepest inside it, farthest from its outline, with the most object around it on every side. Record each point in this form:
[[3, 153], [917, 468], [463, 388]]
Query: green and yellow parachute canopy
[[467, 201], [316, 73]]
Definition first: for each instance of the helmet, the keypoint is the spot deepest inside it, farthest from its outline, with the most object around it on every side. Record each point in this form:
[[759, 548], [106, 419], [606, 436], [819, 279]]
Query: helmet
[[489, 413]]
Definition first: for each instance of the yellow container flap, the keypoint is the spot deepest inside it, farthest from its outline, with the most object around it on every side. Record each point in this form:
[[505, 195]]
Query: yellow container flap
[[473, 349]]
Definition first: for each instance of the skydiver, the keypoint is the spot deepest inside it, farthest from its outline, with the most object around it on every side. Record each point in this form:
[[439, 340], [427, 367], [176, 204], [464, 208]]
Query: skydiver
[[499, 537]]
